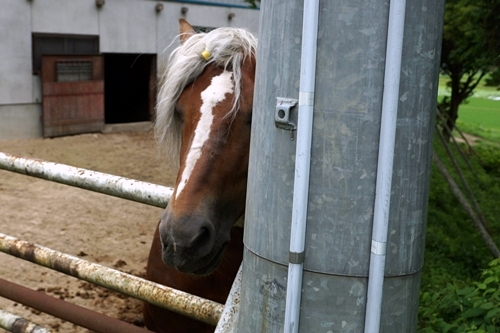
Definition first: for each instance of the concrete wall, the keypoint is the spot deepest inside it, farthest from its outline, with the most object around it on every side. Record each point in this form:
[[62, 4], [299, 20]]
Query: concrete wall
[[15, 52], [69, 17], [123, 26], [18, 121]]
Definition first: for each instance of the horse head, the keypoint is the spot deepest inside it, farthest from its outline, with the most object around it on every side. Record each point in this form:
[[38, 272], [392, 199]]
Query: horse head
[[204, 116]]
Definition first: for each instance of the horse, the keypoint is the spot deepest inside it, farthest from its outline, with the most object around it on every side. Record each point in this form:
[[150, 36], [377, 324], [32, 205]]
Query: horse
[[203, 120]]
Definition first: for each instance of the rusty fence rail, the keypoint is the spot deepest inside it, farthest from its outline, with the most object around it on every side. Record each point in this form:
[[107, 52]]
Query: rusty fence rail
[[186, 304], [125, 188], [94, 321]]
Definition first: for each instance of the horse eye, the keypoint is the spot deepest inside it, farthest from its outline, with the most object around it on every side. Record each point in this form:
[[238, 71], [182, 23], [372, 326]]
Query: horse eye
[[179, 114]]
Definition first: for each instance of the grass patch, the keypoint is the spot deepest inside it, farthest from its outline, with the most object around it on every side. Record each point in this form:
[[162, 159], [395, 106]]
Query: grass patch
[[489, 134], [455, 254], [480, 117], [453, 295], [481, 112]]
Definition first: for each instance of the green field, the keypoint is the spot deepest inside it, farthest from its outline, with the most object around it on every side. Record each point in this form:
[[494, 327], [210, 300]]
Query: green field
[[480, 114], [481, 111], [480, 117]]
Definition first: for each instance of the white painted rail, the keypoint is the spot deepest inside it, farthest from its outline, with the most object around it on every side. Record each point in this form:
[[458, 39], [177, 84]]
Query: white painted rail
[[126, 188]]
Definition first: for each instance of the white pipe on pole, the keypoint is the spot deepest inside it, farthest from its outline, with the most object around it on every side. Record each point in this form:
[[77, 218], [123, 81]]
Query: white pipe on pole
[[302, 164], [385, 165]]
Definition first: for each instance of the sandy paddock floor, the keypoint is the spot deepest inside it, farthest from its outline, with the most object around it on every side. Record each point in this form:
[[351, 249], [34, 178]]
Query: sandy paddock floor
[[96, 227]]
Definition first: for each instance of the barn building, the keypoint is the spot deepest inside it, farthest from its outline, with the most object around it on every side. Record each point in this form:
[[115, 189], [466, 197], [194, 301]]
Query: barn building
[[71, 67]]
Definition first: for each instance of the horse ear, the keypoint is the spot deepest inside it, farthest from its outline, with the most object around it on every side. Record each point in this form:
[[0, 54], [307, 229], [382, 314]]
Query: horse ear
[[186, 30]]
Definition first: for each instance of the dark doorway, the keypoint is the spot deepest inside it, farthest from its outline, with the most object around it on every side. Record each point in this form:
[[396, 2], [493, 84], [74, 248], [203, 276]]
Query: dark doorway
[[129, 87]]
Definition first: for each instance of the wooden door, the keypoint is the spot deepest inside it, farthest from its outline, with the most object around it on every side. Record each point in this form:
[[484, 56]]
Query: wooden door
[[73, 94]]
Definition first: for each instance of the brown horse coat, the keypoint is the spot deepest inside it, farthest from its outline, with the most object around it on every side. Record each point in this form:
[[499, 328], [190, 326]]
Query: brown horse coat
[[204, 119], [215, 286]]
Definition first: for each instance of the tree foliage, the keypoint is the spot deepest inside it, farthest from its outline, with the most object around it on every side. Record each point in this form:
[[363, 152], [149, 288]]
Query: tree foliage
[[462, 308], [470, 49]]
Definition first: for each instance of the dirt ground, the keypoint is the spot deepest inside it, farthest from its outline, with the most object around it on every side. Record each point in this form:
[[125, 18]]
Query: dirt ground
[[96, 227]]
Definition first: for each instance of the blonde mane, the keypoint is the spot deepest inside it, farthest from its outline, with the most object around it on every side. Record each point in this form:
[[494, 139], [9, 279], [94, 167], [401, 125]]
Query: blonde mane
[[228, 48]]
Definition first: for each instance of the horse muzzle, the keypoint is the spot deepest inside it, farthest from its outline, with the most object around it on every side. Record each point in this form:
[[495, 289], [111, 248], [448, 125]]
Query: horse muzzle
[[190, 245]]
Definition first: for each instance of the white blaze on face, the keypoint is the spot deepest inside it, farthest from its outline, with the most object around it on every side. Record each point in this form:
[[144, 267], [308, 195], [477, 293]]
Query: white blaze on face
[[213, 95]]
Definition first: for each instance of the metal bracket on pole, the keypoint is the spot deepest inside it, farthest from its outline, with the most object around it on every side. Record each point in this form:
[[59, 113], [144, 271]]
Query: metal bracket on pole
[[282, 113]]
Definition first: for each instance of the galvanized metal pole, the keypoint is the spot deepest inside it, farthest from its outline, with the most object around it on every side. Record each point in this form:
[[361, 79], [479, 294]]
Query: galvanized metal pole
[[352, 38], [229, 318]]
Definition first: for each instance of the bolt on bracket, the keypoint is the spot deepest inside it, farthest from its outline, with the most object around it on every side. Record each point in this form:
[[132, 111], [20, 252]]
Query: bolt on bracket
[[282, 113]]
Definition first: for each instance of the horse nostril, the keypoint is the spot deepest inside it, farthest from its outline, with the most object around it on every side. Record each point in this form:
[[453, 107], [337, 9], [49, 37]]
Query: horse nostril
[[187, 237], [202, 243], [204, 232]]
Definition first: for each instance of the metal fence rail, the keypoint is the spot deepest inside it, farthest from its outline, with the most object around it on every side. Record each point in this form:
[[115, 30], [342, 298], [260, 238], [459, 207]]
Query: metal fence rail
[[12, 323], [73, 313], [151, 194], [126, 188], [172, 299]]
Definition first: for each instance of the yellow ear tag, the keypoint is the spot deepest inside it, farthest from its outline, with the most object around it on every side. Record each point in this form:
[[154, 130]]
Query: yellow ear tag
[[206, 54]]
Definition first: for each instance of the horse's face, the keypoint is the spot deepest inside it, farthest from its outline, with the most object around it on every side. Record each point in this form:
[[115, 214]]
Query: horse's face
[[210, 190]]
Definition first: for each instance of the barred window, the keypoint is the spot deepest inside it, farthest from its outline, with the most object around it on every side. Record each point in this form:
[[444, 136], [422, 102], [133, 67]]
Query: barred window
[[71, 71], [55, 44]]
